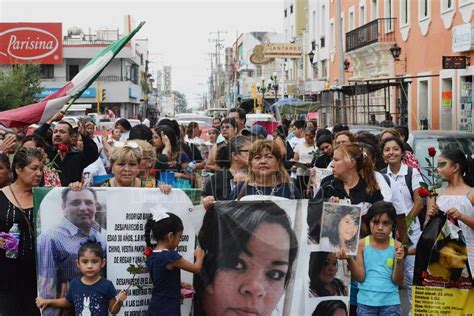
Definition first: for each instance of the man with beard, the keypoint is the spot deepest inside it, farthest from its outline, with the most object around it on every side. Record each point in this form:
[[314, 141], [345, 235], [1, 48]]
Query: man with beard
[[69, 163]]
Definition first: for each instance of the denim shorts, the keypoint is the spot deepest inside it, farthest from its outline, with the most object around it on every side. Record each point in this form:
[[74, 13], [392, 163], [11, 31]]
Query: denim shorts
[[390, 310]]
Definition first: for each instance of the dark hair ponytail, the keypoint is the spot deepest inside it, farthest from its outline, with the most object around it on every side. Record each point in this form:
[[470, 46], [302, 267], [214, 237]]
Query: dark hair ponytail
[[161, 228], [466, 164]]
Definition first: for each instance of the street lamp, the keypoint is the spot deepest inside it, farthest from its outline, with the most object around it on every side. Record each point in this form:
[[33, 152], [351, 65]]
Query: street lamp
[[262, 88], [395, 50], [273, 84]]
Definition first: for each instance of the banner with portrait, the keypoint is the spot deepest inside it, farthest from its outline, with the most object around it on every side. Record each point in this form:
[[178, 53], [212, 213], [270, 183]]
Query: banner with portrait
[[258, 249], [116, 218], [443, 282]]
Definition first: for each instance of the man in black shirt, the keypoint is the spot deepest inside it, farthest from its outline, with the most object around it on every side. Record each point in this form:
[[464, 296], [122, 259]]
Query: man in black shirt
[[70, 164]]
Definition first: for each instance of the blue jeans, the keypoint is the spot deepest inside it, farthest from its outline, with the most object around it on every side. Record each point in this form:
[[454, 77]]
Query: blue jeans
[[390, 310]]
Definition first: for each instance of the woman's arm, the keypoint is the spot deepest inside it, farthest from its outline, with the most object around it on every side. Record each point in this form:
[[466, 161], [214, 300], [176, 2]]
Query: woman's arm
[[188, 266], [397, 275]]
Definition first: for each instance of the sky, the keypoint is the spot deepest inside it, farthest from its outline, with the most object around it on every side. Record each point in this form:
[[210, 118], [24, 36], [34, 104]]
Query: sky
[[178, 32]]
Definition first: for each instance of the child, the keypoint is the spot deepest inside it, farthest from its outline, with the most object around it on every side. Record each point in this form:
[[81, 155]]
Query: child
[[378, 266], [90, 294], [165, 263]]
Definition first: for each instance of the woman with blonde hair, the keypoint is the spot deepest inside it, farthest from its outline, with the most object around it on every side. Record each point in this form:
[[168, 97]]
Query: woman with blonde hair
[[267, 174]]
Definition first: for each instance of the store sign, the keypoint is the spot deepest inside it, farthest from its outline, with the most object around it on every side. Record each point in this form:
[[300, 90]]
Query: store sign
[[88, 93], [456, 62], [463, 38], [31, 42], [283, 50], [258, 57]]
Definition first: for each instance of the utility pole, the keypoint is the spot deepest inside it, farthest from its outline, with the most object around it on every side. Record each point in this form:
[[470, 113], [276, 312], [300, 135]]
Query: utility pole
[[218, 46], [340, 56]]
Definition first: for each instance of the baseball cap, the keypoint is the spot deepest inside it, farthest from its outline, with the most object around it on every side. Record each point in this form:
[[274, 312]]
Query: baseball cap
[[255, 130]]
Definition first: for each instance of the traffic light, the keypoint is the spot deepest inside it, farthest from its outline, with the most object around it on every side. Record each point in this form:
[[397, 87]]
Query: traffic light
[[102, 95]]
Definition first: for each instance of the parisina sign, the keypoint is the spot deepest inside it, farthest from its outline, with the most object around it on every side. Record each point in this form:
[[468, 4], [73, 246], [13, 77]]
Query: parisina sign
[[31, 43]]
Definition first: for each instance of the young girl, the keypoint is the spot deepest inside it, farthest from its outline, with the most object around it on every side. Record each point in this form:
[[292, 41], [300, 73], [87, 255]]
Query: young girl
[[165, 263], [90, 294], [378, 266]]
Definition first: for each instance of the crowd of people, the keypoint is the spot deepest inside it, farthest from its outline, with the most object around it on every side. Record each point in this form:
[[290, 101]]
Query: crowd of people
[[379, 173]]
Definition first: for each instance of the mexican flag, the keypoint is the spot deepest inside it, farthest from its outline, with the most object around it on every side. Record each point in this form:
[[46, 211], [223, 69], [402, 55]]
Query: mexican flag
[[40, 112]]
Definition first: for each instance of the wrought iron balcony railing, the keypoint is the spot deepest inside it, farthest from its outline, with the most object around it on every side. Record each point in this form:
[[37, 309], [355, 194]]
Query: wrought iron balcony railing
[[378, 30]]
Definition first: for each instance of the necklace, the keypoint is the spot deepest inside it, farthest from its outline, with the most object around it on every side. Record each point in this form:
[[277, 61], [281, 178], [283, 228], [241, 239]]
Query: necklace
[[272, 193]]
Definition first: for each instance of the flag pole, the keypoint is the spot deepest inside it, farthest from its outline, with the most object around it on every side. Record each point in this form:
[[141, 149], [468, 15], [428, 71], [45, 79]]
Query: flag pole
[[70, 103]]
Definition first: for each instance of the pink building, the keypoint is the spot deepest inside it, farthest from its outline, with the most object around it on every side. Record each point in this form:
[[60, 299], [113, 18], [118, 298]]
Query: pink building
[[423, 31]]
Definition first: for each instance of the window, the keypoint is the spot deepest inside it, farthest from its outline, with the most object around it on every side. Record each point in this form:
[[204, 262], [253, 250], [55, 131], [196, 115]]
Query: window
[[446, 5], [47, 71], [374, 14], [362, 15], [424, 9], [333, 35], [404, 11], [323, 19], [351, 21], [388, 12], [314, 24], [291, 9], [285, 13], [313, 45], [324, 68], [73, 70], [322, 42]]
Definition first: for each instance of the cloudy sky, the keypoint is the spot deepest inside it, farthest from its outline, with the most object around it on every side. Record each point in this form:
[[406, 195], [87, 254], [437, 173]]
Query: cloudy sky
[[178, 31]]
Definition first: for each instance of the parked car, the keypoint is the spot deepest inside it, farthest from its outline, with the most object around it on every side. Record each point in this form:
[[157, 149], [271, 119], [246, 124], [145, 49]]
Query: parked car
[[440, 140]]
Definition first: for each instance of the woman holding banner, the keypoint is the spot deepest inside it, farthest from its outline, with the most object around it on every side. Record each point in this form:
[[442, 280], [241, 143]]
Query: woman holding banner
[[457, 199], [267, 176], [17, 260], [248, 266]]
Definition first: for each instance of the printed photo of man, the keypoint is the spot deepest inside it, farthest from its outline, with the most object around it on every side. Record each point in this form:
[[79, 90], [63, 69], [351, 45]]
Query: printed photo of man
[[58, 246]]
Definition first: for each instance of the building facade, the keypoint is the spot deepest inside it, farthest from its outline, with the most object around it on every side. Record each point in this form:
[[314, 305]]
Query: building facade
[[422, 33]]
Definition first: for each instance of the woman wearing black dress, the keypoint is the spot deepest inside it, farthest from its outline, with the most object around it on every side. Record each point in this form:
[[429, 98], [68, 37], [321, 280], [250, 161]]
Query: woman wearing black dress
[[18, 275]]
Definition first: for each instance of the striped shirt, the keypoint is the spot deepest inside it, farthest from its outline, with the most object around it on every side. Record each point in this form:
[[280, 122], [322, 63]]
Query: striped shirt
[[57, 257]]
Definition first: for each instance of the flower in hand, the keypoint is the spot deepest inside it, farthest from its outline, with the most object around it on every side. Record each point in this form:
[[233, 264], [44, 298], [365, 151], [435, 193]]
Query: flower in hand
[[423, 192], [431, 151], [10, 243], [148, 251], [63, 148]]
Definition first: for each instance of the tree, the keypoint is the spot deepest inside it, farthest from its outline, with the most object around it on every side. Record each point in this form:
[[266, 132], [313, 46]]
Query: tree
[[180, 102], [18, 85]]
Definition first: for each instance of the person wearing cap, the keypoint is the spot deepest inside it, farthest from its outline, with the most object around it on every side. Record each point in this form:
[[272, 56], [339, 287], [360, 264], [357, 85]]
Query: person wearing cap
[[255, 131], [69, 163]]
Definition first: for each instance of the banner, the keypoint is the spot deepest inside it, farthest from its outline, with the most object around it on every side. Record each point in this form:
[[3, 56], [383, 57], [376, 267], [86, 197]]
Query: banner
[[116, 217], [250, 246], [443, 283]]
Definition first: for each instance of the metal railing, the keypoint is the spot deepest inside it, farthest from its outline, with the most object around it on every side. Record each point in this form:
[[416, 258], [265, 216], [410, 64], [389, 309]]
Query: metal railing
[[378, 30]]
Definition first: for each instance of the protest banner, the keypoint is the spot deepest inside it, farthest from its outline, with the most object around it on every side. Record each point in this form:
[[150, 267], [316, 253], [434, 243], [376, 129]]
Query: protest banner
[[117, 220], [443, 283], [273, 233]]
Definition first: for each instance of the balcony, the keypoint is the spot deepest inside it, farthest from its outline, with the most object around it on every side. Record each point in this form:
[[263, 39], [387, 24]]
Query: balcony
[[376, 31]]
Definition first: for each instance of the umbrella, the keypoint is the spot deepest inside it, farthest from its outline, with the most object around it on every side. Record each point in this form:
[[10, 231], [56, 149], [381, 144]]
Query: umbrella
[[285, 101]]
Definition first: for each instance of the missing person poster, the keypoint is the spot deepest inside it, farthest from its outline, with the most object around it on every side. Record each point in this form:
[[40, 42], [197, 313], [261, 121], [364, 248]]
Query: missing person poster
[[250, 247], [116, 218], [445, 284]]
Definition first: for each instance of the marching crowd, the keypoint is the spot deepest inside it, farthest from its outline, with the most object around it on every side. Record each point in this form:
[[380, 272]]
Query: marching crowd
[[297, 160]]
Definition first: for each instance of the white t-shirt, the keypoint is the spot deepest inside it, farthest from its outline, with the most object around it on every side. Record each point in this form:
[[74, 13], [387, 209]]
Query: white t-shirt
[[305, 154], [146, 122], [415, 185], [391, 193], [295, 141]]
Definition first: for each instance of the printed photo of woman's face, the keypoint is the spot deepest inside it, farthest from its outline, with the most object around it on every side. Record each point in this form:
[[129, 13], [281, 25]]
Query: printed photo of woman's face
[[256, 282], [347, 228]]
